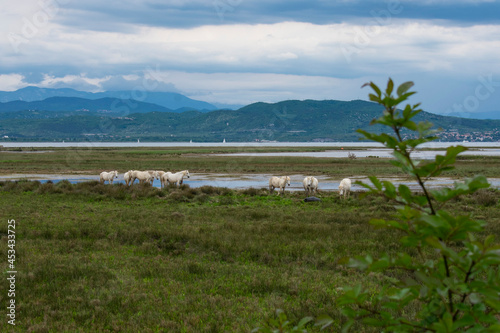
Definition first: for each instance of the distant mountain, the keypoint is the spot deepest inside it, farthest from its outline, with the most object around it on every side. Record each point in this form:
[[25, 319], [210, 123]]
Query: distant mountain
[[111, 106], [168, 100], [291, 121]]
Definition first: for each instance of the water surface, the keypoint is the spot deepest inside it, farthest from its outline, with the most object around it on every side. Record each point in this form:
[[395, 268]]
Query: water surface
[[245, 181]]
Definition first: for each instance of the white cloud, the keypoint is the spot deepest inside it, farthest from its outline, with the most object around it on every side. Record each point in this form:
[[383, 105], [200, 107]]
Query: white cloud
[[317, 48], [246, 88], [80, 82], [243, 63], [283, 56], [11, 82]]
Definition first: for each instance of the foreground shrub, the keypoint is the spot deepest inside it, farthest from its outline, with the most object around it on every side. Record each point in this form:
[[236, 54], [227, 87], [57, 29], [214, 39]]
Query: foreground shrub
[[456, 290], [446, 280]]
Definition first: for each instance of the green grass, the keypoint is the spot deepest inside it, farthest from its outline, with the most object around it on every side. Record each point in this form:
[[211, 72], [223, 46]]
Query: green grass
[[94, 257], [94, 160]]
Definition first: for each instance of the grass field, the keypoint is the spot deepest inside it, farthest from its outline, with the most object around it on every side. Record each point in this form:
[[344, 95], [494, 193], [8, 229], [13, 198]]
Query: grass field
[[97, 258], [94, 160]]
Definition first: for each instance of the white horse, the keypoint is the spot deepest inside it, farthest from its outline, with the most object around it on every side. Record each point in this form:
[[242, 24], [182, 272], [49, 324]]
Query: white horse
[[127, 176], [345, 187], [142, 176], [159, 175], [154, 174], [108, 176], [310, 185], [279, 182], [176, 178]]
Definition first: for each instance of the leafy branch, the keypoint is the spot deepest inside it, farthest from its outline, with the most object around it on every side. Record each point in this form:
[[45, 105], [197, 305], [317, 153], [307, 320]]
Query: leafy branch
[[459, 290]]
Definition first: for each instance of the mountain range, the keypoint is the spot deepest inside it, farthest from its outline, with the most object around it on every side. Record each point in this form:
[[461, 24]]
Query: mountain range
[[169, 100], [291, 121]]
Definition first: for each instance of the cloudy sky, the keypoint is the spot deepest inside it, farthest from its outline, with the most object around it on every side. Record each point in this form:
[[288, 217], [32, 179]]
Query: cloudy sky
[[244, 51]]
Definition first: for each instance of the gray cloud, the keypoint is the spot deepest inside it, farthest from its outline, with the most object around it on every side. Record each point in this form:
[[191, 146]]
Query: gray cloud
[[242, 51], [139, 83], [123, 15]]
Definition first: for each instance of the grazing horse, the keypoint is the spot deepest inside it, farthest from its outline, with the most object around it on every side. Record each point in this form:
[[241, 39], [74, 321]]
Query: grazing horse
[[143, 176], [310, 185], [345, 187], [176, 178], [159, 175], [127, 176], [108, 176], [279, 182]]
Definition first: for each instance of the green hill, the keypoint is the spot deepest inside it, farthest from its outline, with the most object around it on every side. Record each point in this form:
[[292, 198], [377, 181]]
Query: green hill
[[292, 120]]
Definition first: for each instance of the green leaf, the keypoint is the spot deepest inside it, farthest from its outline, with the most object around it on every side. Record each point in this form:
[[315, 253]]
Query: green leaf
[[347, 326], [435, 221], [373, 98], [434, 242], [390, 86], [405, 193], [376, 182], [404, 87], [390, 190], [489, 240], [374, 87], [303, 322], [324, 321]]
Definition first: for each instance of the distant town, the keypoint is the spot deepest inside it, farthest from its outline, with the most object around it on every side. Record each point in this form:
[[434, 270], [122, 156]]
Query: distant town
[[452, 135]]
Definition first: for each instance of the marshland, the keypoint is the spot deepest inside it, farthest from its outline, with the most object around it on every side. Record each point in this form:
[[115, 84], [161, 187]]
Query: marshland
[[94, 257]]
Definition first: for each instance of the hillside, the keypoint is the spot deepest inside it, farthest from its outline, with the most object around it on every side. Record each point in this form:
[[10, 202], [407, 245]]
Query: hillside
[[111, 106], [308, 120]]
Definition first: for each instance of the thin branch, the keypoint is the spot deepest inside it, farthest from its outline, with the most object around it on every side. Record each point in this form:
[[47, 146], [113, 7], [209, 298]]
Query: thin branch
[[464, 296], [450, 293], [419, 179]]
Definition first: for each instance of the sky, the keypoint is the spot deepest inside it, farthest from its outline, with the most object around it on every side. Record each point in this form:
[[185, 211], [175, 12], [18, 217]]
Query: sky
[[239, 52]]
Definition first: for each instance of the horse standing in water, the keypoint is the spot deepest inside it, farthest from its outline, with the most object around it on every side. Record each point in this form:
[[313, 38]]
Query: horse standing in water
[[176, 178], [127, 177], [143, 176], [108, 176], [310, 185], [279, 182]]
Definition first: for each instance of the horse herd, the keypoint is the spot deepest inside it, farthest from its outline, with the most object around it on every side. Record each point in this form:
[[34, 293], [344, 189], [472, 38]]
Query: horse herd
[[148, 176], [310, 183]]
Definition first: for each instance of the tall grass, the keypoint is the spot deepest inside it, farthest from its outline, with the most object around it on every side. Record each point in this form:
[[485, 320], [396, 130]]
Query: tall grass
[[94, 257]]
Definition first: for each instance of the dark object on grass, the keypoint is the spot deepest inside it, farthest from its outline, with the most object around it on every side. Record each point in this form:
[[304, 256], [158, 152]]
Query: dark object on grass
[[310, 199]]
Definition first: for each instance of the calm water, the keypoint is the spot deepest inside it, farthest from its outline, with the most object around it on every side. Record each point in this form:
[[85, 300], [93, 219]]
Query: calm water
[[234, 144], [246, 181], [372, 148]]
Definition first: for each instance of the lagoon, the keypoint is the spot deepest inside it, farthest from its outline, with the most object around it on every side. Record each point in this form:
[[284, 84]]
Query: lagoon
[[88, 144]]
